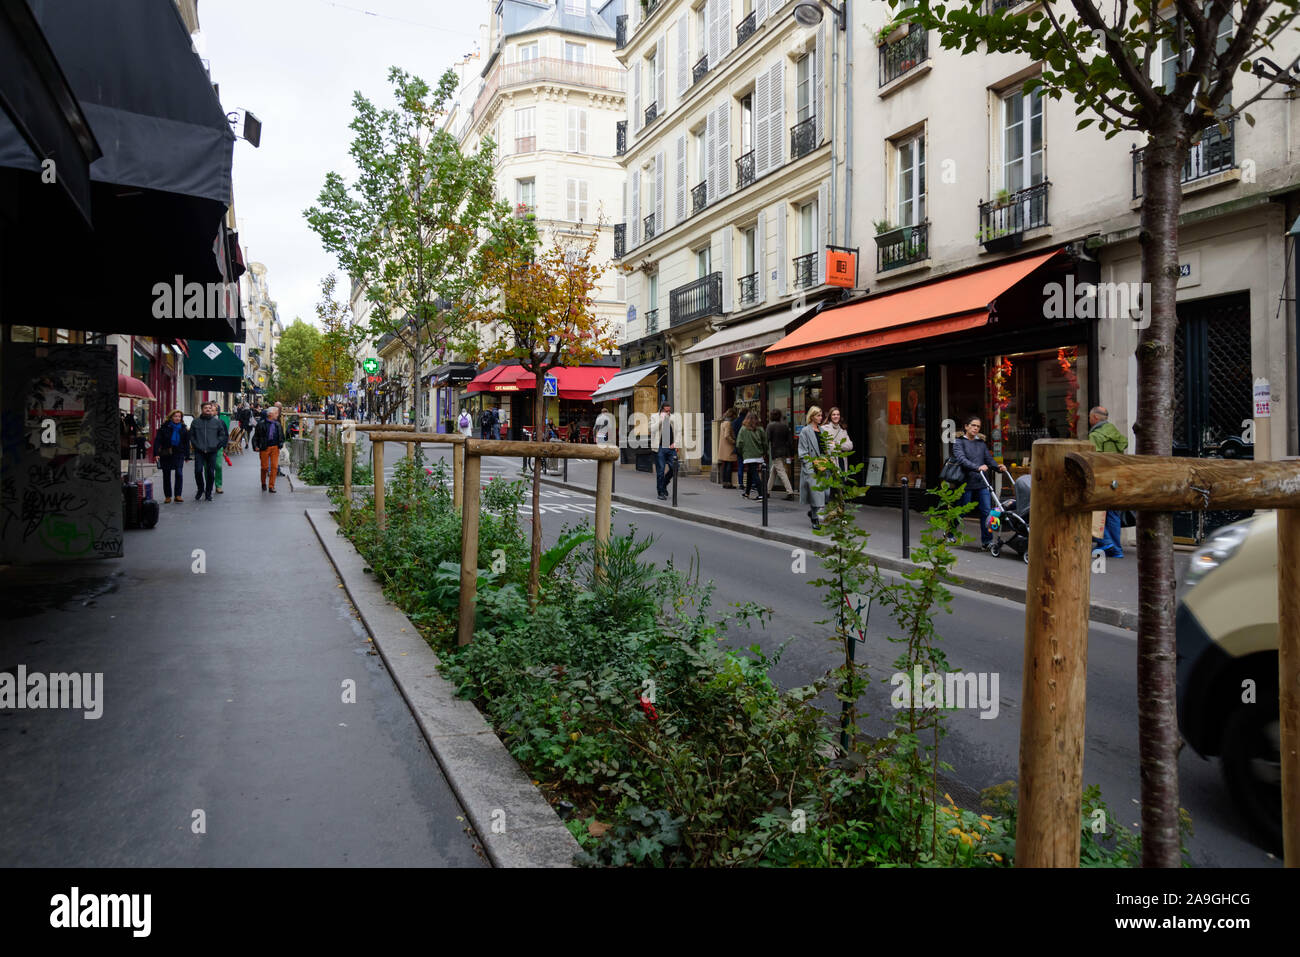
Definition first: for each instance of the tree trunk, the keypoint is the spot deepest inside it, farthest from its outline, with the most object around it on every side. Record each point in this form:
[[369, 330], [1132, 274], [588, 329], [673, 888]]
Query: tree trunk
[[1158, 738], [415, 387], [535, 554]]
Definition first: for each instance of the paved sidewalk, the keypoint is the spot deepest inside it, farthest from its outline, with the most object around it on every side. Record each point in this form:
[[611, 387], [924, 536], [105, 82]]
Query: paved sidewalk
[[1113, 591], [222, 693]]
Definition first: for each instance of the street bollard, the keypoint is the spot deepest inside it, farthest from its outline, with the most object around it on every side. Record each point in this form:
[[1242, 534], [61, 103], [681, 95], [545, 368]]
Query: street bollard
[[762, 489], [675, 471], [566, 471], [907, 545]]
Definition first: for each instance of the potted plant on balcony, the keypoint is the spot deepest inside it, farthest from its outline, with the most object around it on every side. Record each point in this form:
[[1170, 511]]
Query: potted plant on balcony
[[892, 32], [883, 226]]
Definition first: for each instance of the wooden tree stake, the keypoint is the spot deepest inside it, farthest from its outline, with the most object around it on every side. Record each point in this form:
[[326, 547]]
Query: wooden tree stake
[[469, 549]]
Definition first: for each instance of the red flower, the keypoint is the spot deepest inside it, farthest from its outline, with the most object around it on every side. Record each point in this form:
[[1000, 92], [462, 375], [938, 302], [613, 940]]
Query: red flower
[[648, 708]]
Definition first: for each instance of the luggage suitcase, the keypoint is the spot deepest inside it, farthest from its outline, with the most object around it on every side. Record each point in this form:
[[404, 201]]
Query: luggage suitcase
[[130, 505], [149, 513]]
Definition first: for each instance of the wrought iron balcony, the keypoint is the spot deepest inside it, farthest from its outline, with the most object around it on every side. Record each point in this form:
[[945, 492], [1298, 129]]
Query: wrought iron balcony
[[903, 55], [695, 300], [803, 138], [648, 7], [745, 29], [525, 144], [651, 322], [805, 271], [620, 240], [620, 32], [996, 5], [749, 289], [744, 170], [648, 225], [1003, 221], [902, 246], [700, 69], [651, 113], [1214, 153], [620, 137], [699, 197]]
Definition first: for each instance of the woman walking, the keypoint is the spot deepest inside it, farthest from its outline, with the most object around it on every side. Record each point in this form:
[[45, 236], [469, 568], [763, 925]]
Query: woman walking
[[837, 437], [780, 444], [974, 456], [727, 446], [171, 447], [812, 460], [752, 445]]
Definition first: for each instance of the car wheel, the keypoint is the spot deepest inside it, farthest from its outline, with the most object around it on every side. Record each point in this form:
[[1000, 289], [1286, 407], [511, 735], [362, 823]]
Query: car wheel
[[1252, 769]]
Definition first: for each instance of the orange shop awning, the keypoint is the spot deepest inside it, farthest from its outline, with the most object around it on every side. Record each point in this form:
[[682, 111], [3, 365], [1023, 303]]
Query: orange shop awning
[[921, 312], [496, 379]]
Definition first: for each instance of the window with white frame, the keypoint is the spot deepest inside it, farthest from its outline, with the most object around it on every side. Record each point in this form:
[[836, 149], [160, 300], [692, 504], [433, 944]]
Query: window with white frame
[[909, 176], [525, 129], [701, 32], [526, 192], [749, 253], [527, 51], [575, 52], [576, 7], [803, 87], [746, 123], [808, 228], [652, 71], [652, 293], [704, 262], [1022, 140], [577, 128], [701, 158], [575, 191]]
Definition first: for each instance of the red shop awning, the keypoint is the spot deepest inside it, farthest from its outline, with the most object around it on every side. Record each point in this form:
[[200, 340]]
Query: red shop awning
[[920, 312], [577, 383]]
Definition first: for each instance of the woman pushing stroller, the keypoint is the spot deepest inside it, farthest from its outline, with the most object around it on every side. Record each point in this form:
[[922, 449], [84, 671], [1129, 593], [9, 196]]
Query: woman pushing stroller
[[974, 457]]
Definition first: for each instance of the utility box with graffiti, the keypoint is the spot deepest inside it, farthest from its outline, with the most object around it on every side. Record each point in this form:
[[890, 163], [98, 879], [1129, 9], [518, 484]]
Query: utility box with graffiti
[[60, 454]]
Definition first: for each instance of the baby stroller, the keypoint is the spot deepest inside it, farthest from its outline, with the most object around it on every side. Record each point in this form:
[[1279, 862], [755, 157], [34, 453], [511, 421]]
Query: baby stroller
[[1012, 516]]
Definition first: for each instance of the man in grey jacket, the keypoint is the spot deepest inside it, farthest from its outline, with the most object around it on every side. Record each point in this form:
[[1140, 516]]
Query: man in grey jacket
[[208, 437]]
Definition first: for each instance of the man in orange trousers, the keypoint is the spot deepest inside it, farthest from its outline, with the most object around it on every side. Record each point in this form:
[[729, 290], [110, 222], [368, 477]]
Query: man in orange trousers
[[268, 437]]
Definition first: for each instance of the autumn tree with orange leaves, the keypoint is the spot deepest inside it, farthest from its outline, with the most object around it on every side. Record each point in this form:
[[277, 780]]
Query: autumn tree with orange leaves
[[536, 307]]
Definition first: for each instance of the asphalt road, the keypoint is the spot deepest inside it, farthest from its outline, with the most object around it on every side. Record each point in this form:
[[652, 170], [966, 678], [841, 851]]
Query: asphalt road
[[982, 635]]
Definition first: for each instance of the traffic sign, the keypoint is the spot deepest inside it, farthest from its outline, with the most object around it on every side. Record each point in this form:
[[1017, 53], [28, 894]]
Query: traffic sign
[[371, 365], [550, 387]]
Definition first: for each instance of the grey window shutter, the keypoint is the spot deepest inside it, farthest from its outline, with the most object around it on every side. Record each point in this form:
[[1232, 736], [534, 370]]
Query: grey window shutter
[[760, 256], [681, 178], [776, 115], [762, 119], [724, 236], [819, 84], [711, 155], [821, 237], [683, 56], [661, 74], [724, 148], [660, 205], [778, 223], [761, 10], [636, 208], [711, 24], [725, 36], [637, 115]]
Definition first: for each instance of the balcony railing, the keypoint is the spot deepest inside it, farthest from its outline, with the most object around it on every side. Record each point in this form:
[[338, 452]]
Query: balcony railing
[[651, 113], [805, 271], [620, 137], [803, 138], [620, 32], [700, 69], [548, 69], [996, 5], [903, 55], [695, 300], [749, 289], [1215, 153], [648, 7], [745, 29], [1003, 221], [744, 170], [525, 144], [902, 246], [699, 197], [620, 240], [648, 225], [651, 322]]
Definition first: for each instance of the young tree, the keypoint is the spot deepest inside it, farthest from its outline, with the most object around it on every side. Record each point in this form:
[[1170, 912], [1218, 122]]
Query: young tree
[[294, 357], [408, 226], [1108, 64], [536, 308], [337, 358]]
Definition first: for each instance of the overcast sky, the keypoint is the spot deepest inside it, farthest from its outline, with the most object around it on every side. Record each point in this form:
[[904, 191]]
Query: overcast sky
[[295, 64]]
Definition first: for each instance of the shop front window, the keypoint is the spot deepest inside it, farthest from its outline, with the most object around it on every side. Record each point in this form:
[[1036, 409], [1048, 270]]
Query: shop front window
[[805, 392], [895, 427]]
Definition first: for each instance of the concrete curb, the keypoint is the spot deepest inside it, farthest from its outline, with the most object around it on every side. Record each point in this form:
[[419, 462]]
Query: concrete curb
[[1105, 613], [491, 786]]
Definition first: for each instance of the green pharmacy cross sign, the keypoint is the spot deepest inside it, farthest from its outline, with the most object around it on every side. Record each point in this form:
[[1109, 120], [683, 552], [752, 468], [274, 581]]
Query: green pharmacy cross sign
[[371, 365]]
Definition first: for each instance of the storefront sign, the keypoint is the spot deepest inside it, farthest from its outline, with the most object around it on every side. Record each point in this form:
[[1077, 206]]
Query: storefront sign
[[509, 387], [742, 364], [841, 269]]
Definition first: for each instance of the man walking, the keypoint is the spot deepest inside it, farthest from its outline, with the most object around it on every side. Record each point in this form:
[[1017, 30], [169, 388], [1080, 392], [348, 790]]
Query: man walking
[[664, 438], [208, 436], [245, 423], [781, 443], [1106, 438], [268, 437]]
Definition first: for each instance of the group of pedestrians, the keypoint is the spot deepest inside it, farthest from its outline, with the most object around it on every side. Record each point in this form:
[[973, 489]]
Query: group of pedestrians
[[205, 441]]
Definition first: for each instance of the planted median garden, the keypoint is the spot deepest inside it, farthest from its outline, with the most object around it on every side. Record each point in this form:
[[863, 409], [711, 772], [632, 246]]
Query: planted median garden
[[657, 743]]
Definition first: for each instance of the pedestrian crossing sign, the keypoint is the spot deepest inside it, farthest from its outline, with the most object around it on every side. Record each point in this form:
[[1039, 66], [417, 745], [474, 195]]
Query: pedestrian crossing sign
[[550, 387]]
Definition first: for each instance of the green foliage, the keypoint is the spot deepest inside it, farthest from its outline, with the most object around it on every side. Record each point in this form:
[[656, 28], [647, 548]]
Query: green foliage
[[294, 357], [327, 468]]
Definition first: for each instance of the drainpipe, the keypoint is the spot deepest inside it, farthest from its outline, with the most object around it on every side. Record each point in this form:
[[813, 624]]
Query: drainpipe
[[835, 77], [848, 123]]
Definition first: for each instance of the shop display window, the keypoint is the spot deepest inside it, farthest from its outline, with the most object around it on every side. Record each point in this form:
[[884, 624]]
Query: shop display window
[[895, 426]]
